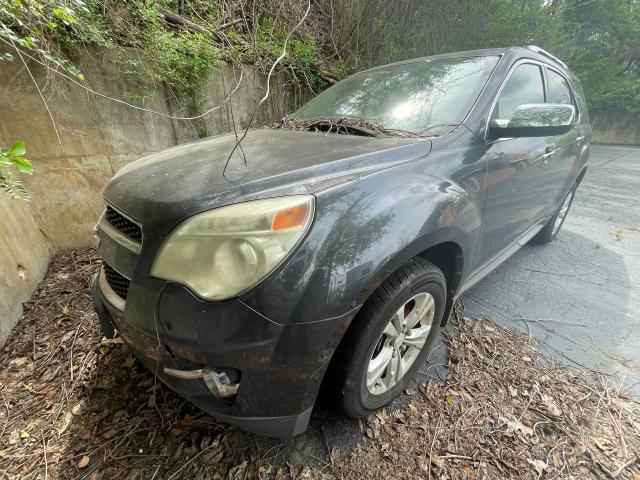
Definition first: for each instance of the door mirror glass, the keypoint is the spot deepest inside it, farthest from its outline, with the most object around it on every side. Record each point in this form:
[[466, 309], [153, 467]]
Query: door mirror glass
[[535, 120]]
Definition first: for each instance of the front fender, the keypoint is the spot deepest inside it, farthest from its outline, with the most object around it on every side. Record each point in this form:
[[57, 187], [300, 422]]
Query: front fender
[[362, 232], [430, 239]]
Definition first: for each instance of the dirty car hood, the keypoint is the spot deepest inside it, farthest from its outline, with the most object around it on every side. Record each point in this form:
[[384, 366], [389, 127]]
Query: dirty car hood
[[184, 180]]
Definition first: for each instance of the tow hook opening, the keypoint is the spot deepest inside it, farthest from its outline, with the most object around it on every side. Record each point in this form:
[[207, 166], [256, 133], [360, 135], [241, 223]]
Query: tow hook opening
[[218, 382]]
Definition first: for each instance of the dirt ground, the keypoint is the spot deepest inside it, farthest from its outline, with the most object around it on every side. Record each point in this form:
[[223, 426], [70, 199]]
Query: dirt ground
[[75, 405]]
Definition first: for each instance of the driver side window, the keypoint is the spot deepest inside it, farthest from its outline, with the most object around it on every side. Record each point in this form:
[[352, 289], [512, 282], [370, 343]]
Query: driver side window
[[524, 86]]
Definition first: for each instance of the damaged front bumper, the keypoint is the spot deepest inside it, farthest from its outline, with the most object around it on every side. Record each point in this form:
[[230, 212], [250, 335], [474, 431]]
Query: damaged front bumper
[[224, 357]]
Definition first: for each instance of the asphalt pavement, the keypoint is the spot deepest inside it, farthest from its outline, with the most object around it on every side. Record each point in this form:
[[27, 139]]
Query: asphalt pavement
[[580, 294]]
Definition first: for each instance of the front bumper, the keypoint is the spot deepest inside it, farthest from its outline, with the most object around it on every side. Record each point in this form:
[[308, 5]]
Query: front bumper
[[279, 367]]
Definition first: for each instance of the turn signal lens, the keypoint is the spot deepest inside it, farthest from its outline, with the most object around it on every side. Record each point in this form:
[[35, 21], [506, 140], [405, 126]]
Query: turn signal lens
[[290, 218]]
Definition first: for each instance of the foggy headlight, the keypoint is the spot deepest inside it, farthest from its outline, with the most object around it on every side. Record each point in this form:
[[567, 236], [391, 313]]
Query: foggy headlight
[[223, 252]]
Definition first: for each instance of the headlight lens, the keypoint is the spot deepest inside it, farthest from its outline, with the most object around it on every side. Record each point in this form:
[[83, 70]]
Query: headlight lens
[[223, 252]]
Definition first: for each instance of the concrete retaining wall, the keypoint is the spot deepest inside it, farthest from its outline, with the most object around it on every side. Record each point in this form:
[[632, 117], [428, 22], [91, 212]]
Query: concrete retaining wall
[[616, 128], [23, 261], [98, 136]]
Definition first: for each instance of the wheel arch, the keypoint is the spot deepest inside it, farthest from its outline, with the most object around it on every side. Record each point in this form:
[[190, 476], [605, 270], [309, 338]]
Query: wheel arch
[[445, 248], [448, 257]]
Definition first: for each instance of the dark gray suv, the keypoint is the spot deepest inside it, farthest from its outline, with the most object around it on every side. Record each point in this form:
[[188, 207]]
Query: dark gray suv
[[330, 251]]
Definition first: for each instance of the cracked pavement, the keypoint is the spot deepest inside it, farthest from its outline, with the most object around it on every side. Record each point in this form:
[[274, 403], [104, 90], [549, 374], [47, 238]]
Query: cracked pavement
[[580, 294]]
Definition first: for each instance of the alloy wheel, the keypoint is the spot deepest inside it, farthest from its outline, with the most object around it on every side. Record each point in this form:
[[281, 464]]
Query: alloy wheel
[[400, 343]]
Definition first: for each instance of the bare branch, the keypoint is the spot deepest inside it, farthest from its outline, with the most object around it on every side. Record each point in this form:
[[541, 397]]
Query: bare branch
[[284, 53], [184, 22], [227, 25], [266, 95]]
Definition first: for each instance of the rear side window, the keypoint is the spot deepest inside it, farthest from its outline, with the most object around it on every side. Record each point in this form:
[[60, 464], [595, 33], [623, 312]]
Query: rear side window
[[524, 86], [559, 91], [578, 96]]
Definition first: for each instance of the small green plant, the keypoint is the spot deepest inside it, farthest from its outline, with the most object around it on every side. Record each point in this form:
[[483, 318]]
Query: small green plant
[[14, 157], [618, 234]]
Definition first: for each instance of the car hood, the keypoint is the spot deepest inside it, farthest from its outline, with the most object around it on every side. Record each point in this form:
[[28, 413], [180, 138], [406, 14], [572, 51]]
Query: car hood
[[166, 187]]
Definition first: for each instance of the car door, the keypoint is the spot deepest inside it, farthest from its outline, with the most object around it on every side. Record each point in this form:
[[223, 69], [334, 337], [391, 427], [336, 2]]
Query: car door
[[515, 182], [564, 149]]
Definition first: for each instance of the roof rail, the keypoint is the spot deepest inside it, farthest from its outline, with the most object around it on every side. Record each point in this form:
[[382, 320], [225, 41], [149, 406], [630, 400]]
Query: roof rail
[[541, 51]]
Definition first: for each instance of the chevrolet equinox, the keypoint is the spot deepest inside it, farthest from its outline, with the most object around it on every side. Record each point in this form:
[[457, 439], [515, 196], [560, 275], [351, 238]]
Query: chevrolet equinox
[[332, 252]]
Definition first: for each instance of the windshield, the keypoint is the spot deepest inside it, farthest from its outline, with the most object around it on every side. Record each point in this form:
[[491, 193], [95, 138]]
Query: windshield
[[418, 97]]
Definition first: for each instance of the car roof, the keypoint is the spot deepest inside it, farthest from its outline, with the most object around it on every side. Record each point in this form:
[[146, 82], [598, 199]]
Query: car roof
[[529, 51]]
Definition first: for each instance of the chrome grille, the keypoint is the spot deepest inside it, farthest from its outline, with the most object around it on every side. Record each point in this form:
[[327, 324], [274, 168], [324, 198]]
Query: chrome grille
[[117, 282], [123, 224]]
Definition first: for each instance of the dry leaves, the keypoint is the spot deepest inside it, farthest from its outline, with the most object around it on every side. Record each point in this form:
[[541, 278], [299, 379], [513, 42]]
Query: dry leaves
[[76, 405], [504, 412], [87, 399], [84, 462], [338, 125]]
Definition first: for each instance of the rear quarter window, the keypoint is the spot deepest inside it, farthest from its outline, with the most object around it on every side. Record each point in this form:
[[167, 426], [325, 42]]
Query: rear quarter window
[[559, 90], [580, 99]]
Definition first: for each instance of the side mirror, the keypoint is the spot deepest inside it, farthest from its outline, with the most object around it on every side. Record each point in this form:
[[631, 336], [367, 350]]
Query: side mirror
[[535, 120]]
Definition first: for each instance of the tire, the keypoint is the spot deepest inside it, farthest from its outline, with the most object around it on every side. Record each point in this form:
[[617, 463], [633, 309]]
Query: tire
[[409, 289], [550, 231]]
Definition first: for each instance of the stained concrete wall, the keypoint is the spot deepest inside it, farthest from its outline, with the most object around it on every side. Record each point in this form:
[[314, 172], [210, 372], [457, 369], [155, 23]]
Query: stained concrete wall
[[97, 137], [23, 261], [616, 128]]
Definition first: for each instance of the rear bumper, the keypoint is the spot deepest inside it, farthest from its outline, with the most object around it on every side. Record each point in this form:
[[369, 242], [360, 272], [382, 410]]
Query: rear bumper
[[279, 367]]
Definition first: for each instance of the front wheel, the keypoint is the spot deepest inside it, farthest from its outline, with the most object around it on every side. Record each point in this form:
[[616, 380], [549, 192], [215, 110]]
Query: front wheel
[[390, 338], [553, 226]]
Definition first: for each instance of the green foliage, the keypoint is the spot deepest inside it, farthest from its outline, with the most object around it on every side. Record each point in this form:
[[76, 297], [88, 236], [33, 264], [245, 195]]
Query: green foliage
[[304, 55], [407, 29], [30, 24], [14, 157], [177, 58], [304, 58], [598, 39], [602, 47], [168, 43]]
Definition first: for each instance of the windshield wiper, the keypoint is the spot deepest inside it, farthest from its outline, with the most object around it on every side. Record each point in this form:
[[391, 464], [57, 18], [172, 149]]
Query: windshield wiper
[[452, 125]]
